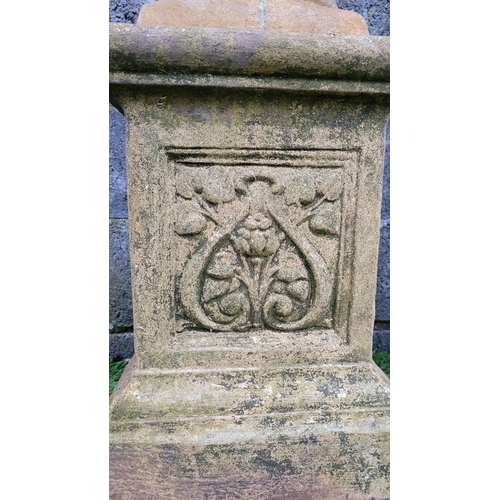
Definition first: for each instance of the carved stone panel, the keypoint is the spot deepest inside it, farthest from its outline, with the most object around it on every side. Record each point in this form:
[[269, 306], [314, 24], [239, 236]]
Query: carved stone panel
[[261, 238]]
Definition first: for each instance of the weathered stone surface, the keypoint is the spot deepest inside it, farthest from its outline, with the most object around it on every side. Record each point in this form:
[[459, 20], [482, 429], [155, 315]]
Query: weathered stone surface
[[375, 12], [120, 293], [156, 51], [300, 16], [255, 207]]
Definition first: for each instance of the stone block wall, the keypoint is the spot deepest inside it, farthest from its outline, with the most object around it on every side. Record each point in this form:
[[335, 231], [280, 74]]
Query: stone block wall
[[376, 13]]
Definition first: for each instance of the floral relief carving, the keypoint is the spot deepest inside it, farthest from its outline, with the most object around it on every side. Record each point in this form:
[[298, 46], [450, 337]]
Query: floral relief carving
[[254, 265]]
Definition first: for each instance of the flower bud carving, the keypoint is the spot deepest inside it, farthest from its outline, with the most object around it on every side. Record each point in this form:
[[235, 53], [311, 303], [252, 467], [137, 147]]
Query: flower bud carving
[[257, 269]]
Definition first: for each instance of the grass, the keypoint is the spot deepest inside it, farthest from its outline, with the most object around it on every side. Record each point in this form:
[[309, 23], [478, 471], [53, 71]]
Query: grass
[[383, 360], [115, 372]]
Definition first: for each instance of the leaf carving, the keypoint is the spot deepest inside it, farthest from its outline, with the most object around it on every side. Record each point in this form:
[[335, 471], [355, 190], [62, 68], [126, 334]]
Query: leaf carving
[[184, 188], [300, 188], [280, 305], [219, 186], [232, 304], [330, 189], [325, 221], [214, 289], [298, 290], [220, 271], [192, 223], [258, 269]]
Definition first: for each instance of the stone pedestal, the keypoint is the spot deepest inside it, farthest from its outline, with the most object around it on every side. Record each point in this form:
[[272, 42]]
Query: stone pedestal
[[254, 162]]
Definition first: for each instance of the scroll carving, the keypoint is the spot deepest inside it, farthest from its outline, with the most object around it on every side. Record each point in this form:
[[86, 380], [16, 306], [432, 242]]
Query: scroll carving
[[253, 265]]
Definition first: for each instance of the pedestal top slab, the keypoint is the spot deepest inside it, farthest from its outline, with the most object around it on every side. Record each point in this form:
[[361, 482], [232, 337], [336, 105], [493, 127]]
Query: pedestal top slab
[[296, 16], [162, 50]]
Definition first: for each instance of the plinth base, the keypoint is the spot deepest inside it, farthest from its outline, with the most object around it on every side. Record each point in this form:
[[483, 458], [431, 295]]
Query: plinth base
[[169, 472], [316, 433]]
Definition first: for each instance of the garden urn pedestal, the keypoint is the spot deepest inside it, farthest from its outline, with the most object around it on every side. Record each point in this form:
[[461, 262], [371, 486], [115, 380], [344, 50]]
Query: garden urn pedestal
[[254, 163]]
